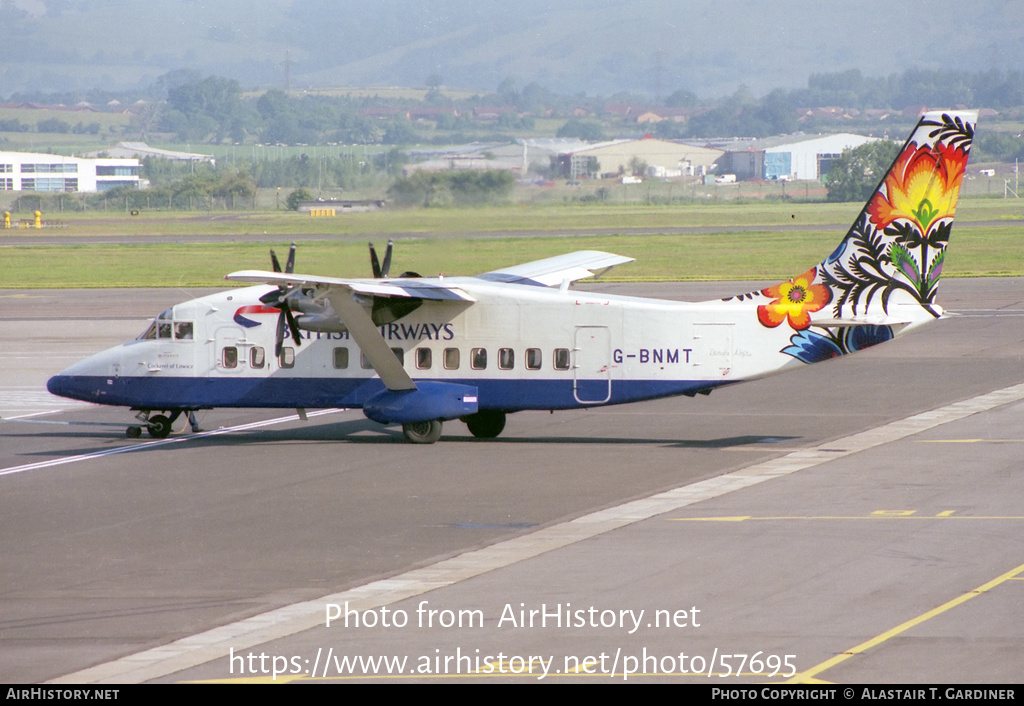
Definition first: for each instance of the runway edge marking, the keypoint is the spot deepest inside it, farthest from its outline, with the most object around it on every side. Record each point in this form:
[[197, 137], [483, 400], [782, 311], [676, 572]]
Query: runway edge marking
[[288, 620]]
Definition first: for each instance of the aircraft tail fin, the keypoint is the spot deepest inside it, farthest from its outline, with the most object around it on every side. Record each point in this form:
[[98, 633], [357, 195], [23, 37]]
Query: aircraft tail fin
[[886, 270]]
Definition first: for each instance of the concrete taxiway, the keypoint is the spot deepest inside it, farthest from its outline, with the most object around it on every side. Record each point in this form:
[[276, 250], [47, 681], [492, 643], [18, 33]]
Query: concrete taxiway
[[837, 522]]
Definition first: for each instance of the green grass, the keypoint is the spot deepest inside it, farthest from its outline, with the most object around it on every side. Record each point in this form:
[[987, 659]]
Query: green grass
[[447, 241], [750, 255], [571, 217]]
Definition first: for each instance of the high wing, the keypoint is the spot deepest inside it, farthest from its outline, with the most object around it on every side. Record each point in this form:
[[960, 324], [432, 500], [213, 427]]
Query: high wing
[[343, 295], [549, 272], [558, 270], [411, 288]]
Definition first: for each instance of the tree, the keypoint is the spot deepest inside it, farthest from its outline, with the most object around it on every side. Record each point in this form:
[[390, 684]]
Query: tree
[[145, 119], [581, 129], [434, 95], [682, 99], [637, 166], [400, 132], [858, 171], [507, 91], [213, 105], [460, 187], [53, 125], [297, 196]]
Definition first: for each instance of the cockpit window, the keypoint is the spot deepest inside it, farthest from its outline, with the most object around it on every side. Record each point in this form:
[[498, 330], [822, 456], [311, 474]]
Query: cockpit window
[[164, 327]]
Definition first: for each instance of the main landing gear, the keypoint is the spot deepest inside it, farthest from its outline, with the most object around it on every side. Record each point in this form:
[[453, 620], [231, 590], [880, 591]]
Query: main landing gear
[[486, 424], [422, 432], [483, 425], [159, 425]]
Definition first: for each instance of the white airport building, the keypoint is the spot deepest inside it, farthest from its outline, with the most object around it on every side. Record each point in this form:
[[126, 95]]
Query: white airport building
[[27, 171]]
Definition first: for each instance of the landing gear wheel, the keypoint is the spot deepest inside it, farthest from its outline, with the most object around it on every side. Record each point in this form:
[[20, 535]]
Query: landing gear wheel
[[422, 432], [159, 427], [133, 432], [485, 425]]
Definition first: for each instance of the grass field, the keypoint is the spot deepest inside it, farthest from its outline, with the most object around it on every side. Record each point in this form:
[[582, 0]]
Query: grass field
[[469, 241]]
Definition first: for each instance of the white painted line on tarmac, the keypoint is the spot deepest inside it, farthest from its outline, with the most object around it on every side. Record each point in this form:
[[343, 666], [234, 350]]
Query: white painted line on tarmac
[[147, 445], [291, 619]]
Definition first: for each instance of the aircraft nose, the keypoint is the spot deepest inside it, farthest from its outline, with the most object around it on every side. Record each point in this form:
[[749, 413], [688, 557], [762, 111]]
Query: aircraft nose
[[85, 380], [73, 387], [57, 385]]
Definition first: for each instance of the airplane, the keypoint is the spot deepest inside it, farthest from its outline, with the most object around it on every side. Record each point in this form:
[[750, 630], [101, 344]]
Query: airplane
[[419, 351]]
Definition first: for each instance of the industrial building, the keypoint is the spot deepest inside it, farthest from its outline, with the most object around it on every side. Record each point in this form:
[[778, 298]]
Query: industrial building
[[27, 171], [785, 157], [622, 156], [140, 150]]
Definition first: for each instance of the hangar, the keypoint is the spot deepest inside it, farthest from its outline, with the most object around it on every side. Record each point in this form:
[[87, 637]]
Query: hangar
[[140, 150], [28, 171], [621, 156], [786, 156]]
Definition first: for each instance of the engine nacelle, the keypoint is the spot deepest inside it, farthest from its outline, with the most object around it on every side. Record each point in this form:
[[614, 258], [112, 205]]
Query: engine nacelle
[[430, 401]]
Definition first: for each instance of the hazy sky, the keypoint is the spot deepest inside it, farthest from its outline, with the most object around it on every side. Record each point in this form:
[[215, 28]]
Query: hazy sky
[[594, 46]]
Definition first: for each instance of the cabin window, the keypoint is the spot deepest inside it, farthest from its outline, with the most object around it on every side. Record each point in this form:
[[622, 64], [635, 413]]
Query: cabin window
[[229, 357], [451, 359], [287, 357], [341, 358], [506, 358], [424, 357], [561, 359], [478, 359], [183, 330], [257, 357], [534, 358], [400, 354]]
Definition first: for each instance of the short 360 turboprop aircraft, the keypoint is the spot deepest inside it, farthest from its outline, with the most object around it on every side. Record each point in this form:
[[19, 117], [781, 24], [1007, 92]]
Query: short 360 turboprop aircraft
[[417, 351]]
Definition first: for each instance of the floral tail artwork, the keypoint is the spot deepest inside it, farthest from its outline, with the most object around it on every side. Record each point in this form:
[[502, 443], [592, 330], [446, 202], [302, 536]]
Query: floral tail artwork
[[884, 275]]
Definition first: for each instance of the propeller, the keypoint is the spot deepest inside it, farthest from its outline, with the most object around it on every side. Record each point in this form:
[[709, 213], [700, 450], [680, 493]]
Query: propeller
[[281, 298], [381, 271]]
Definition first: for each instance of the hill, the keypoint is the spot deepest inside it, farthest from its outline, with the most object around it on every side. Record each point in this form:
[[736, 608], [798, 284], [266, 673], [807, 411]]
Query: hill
[[594, 46]]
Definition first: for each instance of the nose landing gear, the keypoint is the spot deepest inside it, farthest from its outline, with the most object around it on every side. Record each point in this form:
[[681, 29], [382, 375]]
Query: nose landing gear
[[158, 425]]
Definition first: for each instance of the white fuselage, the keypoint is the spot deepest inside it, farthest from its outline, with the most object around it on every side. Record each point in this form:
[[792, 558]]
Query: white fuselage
[[523, 347]]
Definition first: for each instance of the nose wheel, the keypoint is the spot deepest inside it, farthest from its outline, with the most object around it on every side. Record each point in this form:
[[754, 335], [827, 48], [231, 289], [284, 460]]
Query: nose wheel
[[158, 425]]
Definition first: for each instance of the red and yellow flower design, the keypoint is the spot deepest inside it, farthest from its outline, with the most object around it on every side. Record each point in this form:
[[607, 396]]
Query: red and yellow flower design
[[794, 301], [922, 186]]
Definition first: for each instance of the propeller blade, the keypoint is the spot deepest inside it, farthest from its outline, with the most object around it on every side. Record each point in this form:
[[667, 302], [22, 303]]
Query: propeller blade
[[386, 267], [282, 322], [292, 325], [374, 262], [279, 299], [289, 266]]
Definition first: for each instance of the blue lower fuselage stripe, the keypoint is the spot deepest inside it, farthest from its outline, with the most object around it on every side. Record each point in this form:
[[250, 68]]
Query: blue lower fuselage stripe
[[202, 393]]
